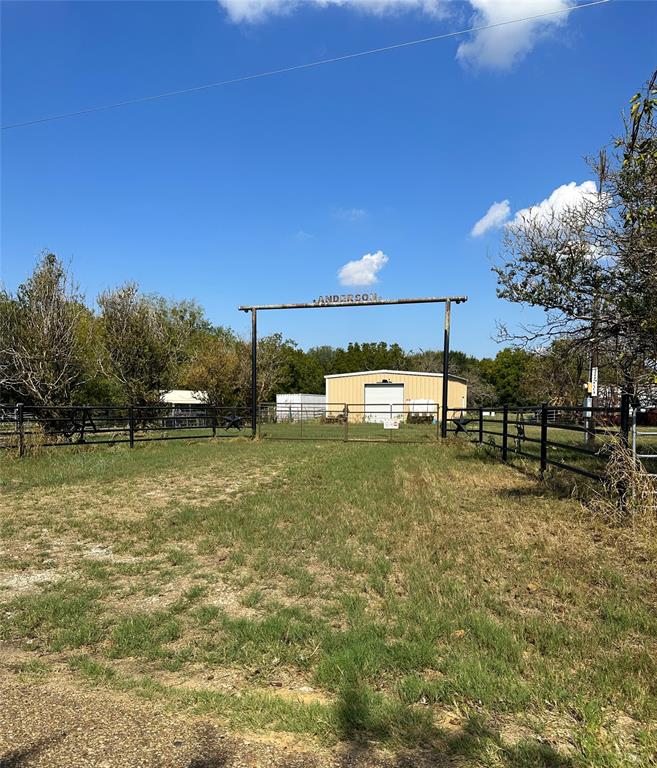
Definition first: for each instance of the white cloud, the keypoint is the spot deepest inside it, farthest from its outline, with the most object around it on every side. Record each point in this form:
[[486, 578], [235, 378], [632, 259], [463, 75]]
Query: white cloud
[[350, 214], [301, 235], [564, 198], [258, 10], [501, 47], [363, 271], [496, 48], [494, 218]]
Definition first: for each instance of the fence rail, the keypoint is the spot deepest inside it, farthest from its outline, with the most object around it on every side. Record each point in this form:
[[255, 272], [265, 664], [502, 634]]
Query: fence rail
[[576, 439], [23, 427]]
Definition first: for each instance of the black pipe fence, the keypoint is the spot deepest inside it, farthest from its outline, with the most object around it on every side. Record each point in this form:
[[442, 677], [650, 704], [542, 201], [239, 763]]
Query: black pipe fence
[[576, 439], [24, 426]]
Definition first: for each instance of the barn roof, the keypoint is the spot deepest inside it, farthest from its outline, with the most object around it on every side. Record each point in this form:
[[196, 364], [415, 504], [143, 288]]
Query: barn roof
[[394, 373]]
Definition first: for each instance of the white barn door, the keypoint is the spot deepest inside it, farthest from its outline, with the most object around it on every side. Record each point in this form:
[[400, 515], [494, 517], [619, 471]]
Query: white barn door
[[384, 401]]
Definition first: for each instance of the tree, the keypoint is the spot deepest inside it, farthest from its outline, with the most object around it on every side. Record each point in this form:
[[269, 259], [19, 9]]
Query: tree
[[370, 356], [216, 368], [272, 352], [303, 371], [556, 375], [324, 356], [593, 267], [507, 373], [220, 368], [44, 354], [144, 340]]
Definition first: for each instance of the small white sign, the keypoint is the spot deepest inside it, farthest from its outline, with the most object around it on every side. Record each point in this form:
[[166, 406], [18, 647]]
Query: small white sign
[[594, 382], [391, 424]]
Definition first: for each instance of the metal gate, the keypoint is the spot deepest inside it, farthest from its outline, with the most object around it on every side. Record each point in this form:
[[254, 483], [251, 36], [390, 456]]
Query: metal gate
[[644, 438], [350, 422]]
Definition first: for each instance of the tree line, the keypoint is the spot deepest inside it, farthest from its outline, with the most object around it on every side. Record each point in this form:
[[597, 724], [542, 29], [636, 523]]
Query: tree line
[[132, 347]]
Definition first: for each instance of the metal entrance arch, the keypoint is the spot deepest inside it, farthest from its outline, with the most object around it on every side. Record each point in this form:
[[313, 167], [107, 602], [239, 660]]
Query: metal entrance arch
[[333, 302]]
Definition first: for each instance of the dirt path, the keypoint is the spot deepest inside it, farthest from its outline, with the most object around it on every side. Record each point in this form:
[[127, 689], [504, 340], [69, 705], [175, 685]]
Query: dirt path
[[54, 726], [43, 727]]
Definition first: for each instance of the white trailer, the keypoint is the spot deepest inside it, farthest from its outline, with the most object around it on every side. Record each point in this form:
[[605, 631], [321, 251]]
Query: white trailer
[[300, 407]]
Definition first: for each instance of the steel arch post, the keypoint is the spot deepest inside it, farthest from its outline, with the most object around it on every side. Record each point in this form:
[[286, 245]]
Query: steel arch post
[[254, 372], [448, 320]]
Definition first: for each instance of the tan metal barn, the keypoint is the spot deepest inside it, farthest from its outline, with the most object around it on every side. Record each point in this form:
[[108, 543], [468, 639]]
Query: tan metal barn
[[380, 395]]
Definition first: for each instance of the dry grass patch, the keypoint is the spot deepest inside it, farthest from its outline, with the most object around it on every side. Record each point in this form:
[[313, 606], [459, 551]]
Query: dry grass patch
[[423, 599], [132, 499]]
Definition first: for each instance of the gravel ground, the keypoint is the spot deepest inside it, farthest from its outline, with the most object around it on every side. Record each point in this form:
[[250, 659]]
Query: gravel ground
[[51, 726]]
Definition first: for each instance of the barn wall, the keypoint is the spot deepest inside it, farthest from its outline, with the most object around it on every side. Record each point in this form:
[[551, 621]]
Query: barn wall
[[457, 393], [351, 389]]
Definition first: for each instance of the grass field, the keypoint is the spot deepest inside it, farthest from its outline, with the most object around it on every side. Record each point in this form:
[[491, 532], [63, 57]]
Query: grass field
[[314, 429], [339, 604]]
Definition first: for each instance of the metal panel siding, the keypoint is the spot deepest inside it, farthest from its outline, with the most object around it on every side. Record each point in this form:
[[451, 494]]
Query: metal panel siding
[[351, 389], [296, 399], [300, 406]]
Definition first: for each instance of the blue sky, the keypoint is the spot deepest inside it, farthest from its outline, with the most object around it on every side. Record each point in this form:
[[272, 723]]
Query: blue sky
[[264, 190]]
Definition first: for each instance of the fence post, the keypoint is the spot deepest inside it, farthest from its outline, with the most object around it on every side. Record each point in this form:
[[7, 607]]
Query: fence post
[[20, 428], [634, 428], [625, 419], [85, 412], [505, 432], [131, 425], [213, 411], [481, 426], [622, 486], [443, 423], [346, 422], [544, 429]]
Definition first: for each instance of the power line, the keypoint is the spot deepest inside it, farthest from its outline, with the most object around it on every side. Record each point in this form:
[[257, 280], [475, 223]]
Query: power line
[[296, 67]]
